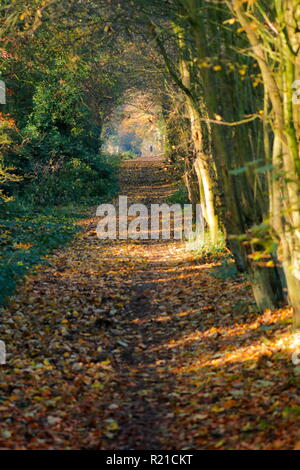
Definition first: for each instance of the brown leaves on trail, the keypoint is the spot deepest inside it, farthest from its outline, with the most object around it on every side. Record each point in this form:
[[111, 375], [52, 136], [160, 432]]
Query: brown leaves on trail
[[135, 345]]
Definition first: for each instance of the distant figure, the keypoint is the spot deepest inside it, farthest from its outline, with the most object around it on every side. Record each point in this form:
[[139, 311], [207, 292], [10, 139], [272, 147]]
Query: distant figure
[[151, 148]]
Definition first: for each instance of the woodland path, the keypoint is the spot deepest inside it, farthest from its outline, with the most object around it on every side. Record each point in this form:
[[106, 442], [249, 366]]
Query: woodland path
[[135, 345]]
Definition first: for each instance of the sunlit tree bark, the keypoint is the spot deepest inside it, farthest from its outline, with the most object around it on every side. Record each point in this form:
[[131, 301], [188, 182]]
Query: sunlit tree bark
[[277, 55]]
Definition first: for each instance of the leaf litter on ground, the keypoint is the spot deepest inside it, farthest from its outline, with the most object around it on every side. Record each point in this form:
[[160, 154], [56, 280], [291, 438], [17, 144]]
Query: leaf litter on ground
[[133, 344]]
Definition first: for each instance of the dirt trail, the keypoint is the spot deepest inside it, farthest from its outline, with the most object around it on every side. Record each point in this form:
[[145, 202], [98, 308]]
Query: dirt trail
[[134, 345]]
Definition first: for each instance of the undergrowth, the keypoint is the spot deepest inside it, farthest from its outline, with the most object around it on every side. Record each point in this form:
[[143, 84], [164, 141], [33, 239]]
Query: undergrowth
[[205, 247], [24, 242]]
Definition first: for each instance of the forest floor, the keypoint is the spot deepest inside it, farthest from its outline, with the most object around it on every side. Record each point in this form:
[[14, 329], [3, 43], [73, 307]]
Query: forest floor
[[136, 345]]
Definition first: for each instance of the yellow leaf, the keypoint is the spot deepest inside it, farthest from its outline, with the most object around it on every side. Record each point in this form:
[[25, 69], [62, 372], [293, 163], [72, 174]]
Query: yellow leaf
[[217, 409], [112, 426], [230, 21], [97, 385], [219, 444]]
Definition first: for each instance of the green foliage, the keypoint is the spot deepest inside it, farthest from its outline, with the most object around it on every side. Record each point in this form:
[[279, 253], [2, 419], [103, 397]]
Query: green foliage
[[59, 160], [25, 241], [66, 179], [180, 196], [7, 136], [226, 270], [129, 155], [51, 157], [206, 246]]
